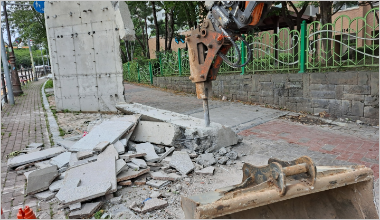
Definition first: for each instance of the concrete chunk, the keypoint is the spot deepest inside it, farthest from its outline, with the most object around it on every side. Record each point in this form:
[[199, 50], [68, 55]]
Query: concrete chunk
[[82, 193], [128, 156], [147, 148], [73, 159], [133, 166], [40, 180], [61, 160], [84, 154], [66, 143], [101, 146], [156, 132], [120, 166], [56, 185], [45, 195], [169, 151], [159, 175], [35, 145], [125, 183], [119, 147], [42, 164], [157, 183], [35, 156], [109, 151], [139, 162], [86, 211], [153, 204], [206, 159], [75, 206], [155, 194], [206, 171], [110, 131], [124, 141], [130, 174], [140, 181], [181, 161], [174, 177]]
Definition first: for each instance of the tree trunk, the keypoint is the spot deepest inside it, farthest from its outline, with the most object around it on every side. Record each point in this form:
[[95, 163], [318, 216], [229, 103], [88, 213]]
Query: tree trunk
[[147, 39], [171, 33], [166, 31], [123, 56], [156, 26], [128, 51], [188, 16], [326, 13]]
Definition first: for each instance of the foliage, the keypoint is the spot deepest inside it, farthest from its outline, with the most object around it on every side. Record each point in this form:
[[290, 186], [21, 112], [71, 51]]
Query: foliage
[[23, 57], [49, 84]]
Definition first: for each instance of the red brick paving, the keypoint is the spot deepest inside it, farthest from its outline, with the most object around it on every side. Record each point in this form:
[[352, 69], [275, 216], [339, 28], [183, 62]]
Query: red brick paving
[[348, 148]]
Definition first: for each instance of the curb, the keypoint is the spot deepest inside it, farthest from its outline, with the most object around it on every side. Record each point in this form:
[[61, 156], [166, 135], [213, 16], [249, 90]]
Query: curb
[[53, 125]]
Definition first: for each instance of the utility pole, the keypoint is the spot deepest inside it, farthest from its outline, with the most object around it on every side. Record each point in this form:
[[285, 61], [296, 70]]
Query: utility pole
[[31, 58], [6, 72], [15, 78]]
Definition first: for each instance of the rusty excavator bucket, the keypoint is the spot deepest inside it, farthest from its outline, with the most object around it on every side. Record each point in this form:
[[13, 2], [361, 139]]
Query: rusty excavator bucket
[[297, 189]]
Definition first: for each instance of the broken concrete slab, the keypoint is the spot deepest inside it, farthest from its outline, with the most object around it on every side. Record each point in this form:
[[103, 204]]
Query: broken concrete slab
[[110, 131], [174, 177], [157, 183], [101, 146], [206, 159], [66, 143], [29, 150], [181, 161], [119, 147], [154, 164], [140, 181], [159, 175], [24, 166], [42, 164], [75, 206], [131, 146], [45, 195], [124, 141], [213, 137], [139, 162], [156, 132], [56, 185], [206, 171], [61, 160], [35, 145], [82, 193], [35, 156], [109, 151], [40, 180], [133, 166], [169, 151], [128, 156], [84, 154], [155, 194], [147, 148], [125, 183], [120, 166], [153, 204], [73, 159], [130, 174], [86, 211]]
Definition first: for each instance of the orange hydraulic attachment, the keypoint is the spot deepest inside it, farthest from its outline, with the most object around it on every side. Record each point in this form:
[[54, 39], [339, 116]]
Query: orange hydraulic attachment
[[256, 14]]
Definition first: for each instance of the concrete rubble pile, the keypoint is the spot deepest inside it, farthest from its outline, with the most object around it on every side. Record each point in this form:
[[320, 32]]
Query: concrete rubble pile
[[124, 151]]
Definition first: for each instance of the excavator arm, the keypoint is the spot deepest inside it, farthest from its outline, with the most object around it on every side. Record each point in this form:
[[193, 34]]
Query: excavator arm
[[209, 43]]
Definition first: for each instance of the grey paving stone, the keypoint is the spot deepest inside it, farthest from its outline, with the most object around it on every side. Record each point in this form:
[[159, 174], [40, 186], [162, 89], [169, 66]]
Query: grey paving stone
[[153, 204], [56, 185], [139, 162], [35, 145], [45, 195], [84, 154], [133, 166], [147, 148], [109, 151], [119, 147], [86, 211], [66, 143], [61, 160], [40, 180], [101, 146], [75, 206], [328, 147], [120, 166], [83, 193], [35, 156]]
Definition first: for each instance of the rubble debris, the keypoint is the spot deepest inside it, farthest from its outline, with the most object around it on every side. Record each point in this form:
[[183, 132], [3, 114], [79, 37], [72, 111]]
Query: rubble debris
[[56, 185], [133, 166], [134, 207], [84, 154], [153, 204], [139, 162], [62, 176], [124, 141], [45, 195], [119, 147], [35, 145], [86, 211], [157, 183], [125, 183], [159, 150], [206, 159], [65, 143], [169, 151], [159, 175], [116, 200], [222, 160], [82, 193], [156, 132], [233, 155], [178, 187], [109, 151], [61, 160], [215, 136], [120, 166], [154, 164], [193, 155], [147, 148], [26, 174], [73, 159], [222, 151], [24, 166], [130, 174], [140, 181], [101, 146], [155, 194], [131, 146], [206, 171], [35, 156], [29, 150], [130, 155], [110, 131], [75, 206], [181, 161], [174, 177], [40, 180]]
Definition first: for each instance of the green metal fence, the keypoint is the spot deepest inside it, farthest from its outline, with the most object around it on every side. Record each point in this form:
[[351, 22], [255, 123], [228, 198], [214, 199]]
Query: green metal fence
[[344, 43]]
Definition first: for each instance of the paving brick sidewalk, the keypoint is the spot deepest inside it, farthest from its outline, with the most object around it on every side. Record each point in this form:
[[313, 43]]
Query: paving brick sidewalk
[[21, 124], [337, 144]]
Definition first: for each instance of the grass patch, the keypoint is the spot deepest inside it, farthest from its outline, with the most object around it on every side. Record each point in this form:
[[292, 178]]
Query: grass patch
[[61, 132], [98, 214], [49, 84]]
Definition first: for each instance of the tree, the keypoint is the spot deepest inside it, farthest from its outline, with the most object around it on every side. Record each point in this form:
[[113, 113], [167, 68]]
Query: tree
[[156, 26]]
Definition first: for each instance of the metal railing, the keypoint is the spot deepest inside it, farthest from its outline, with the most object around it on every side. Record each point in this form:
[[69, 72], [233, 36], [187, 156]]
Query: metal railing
[[344, 43]]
